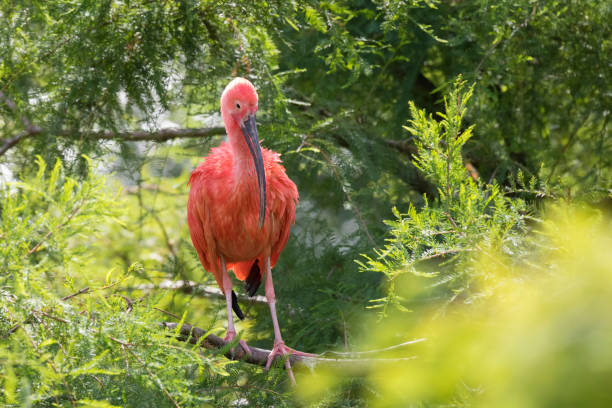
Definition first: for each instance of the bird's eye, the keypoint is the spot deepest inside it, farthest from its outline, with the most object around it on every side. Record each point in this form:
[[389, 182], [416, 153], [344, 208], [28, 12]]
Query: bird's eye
[[237, 105]]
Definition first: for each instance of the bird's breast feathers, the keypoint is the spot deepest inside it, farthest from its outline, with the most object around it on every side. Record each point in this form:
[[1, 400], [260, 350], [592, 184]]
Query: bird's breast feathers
[[231, 201]]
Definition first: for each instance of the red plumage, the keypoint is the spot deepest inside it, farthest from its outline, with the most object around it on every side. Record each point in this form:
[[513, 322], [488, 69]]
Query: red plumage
[[240, 209], [223, 208]]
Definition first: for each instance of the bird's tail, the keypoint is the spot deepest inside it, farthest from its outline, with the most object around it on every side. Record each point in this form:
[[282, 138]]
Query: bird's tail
[[236, 307], [253, 281], [250, 272]]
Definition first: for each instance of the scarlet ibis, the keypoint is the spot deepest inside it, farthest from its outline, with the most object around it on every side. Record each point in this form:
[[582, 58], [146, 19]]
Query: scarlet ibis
[[240, 209]]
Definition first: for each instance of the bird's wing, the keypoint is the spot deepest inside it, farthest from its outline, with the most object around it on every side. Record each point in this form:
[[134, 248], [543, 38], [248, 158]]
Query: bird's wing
[[198, 219], [284, 198]]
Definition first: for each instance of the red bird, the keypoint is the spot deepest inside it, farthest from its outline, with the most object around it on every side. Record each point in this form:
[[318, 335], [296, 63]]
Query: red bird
[[240, 209]]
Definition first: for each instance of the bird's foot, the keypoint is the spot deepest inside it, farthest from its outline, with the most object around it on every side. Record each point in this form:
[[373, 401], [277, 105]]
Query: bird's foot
[[280, 349], [231, 335]]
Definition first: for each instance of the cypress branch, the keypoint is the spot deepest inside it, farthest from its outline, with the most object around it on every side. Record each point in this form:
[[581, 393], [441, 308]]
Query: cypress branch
[[191, 287], [161, 135], [259, 356]]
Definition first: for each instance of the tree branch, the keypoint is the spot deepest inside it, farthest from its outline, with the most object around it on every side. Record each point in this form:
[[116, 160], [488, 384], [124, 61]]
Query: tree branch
[[10, 142], [77, 293], [193, 287], [360, 353], [160, 135], [31, 130], [259, 356], [403, 146]]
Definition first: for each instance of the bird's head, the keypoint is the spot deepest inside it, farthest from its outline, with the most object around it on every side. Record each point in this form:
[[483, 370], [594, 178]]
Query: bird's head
[[238, 108], [239, 100]]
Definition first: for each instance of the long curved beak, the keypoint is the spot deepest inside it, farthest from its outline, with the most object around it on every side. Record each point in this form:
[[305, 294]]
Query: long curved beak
[[249, 131]]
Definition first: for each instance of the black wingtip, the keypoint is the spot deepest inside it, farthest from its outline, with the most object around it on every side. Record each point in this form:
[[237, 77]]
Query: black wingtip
[[236, 307], [253, 281]]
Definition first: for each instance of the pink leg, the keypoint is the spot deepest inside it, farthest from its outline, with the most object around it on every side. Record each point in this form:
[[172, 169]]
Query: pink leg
[[227, 287], [279, 348]]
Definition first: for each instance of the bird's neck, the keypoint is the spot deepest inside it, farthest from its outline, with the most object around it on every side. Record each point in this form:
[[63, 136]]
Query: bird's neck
[[243, 164]]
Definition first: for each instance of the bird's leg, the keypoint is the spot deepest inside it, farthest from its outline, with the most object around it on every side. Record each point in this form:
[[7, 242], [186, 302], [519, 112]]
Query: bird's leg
[[279, 345], [279, 349], [227, 288]]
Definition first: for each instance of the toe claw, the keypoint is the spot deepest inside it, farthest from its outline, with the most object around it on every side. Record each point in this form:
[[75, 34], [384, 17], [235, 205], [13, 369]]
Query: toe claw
[[280, 349], [245, 347], [230, 336], [290, 371]]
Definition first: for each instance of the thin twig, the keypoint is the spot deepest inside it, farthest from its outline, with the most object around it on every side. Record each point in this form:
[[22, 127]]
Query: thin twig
[[130, 302], [35, 347], [247, 386], [348, 195], [450, 218], [167, 312], [191, 287], [538, 193], [52, 364], [164, 233], [156, 378], [98, 380], [561, 154], [493, 175], [53, 231], [116, 340], [150, 187], [59, 343], [79, 292], [50, 316], [126, 347], [444, 253], [492, 48], [436, 255], [127, 361], [403, 146], [359, 353], [34, 62]]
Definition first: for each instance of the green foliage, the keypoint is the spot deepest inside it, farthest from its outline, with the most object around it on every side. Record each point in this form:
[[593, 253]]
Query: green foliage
[[47, 224], [466, 217], [539, 339], [542, 105], [95, 346]]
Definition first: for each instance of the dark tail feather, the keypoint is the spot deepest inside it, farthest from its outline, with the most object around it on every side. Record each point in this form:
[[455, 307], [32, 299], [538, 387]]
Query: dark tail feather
[[236, 307], [253, 281]]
